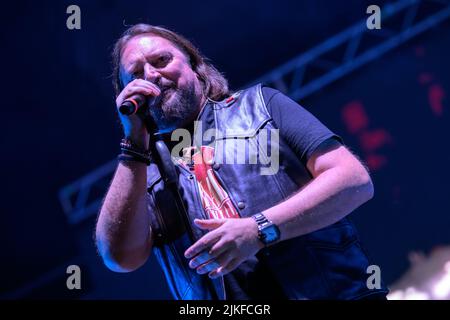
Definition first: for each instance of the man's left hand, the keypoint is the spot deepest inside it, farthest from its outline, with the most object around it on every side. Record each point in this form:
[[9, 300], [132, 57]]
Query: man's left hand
[[229, 243]]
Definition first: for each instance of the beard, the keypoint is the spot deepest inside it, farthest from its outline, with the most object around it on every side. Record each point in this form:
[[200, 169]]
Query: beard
[[174, 107]]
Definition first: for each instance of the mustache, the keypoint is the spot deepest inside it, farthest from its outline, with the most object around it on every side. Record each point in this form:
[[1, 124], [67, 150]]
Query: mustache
[[160, 102], [164, 85]]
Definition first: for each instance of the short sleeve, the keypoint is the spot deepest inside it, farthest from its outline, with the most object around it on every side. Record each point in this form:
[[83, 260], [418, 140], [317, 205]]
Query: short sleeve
[[298, 127]]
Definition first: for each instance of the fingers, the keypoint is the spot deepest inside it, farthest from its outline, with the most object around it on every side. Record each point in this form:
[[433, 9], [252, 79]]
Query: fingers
[[141, 90], [146, 84], [217, 250], [138, 86], [209, 224], [219, 247], [202, 244], [214, 264], [223, 270], [218, 260], [200, 259]]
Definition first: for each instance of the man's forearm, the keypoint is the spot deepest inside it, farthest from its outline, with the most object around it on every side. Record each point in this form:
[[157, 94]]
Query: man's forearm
[[123, 228], [326, 199]]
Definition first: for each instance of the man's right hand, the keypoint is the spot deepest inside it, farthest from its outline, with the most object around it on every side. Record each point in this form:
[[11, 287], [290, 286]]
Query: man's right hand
[[133, 126]]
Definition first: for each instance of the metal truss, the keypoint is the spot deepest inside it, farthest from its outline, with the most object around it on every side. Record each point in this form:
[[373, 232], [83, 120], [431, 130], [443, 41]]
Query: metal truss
[[298, 78], [344, 52], [77, 198]]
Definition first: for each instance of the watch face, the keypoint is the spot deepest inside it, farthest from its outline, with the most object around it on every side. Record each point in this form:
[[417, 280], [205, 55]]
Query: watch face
[[271, 233]]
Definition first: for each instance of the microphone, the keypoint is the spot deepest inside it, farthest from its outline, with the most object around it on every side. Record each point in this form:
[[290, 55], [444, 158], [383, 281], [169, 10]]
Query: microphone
[[132, 104]]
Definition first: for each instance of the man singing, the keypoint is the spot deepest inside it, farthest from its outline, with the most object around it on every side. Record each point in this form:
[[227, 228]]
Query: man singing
[[256, 226]]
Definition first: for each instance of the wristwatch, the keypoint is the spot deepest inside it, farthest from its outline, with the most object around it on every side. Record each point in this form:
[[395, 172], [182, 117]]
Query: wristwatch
[[268, 232]]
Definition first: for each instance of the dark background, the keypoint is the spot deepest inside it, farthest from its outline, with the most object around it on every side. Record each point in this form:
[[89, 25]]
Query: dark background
[[59, 123]]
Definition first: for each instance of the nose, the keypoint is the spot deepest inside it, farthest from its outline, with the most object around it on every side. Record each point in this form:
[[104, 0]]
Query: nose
[[151, 74]]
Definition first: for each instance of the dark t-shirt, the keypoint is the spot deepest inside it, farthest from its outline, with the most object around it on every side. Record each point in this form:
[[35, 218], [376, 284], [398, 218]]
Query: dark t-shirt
[[303, 133]]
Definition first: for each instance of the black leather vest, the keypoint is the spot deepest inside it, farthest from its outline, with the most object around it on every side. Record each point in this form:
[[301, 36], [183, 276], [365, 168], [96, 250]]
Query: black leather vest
[[326, 264]]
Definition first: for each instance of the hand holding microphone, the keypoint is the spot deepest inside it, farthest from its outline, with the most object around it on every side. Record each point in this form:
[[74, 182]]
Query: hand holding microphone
[[132, 104], [134, 96]]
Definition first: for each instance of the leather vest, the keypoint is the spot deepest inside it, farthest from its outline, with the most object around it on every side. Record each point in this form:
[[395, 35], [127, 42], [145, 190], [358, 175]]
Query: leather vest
[[326, 264]]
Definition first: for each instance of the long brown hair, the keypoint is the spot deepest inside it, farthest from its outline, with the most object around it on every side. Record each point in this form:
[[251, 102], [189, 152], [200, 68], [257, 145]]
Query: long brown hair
[[215, 86]]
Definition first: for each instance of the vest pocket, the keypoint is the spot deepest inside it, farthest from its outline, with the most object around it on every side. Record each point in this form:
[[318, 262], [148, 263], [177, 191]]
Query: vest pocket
[[342, 268], [338, 256]]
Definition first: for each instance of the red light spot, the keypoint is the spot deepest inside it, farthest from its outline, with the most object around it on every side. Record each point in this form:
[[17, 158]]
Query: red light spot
[[375, 162], [373, 140], [425, 78], [354, 116], [435, 96]]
